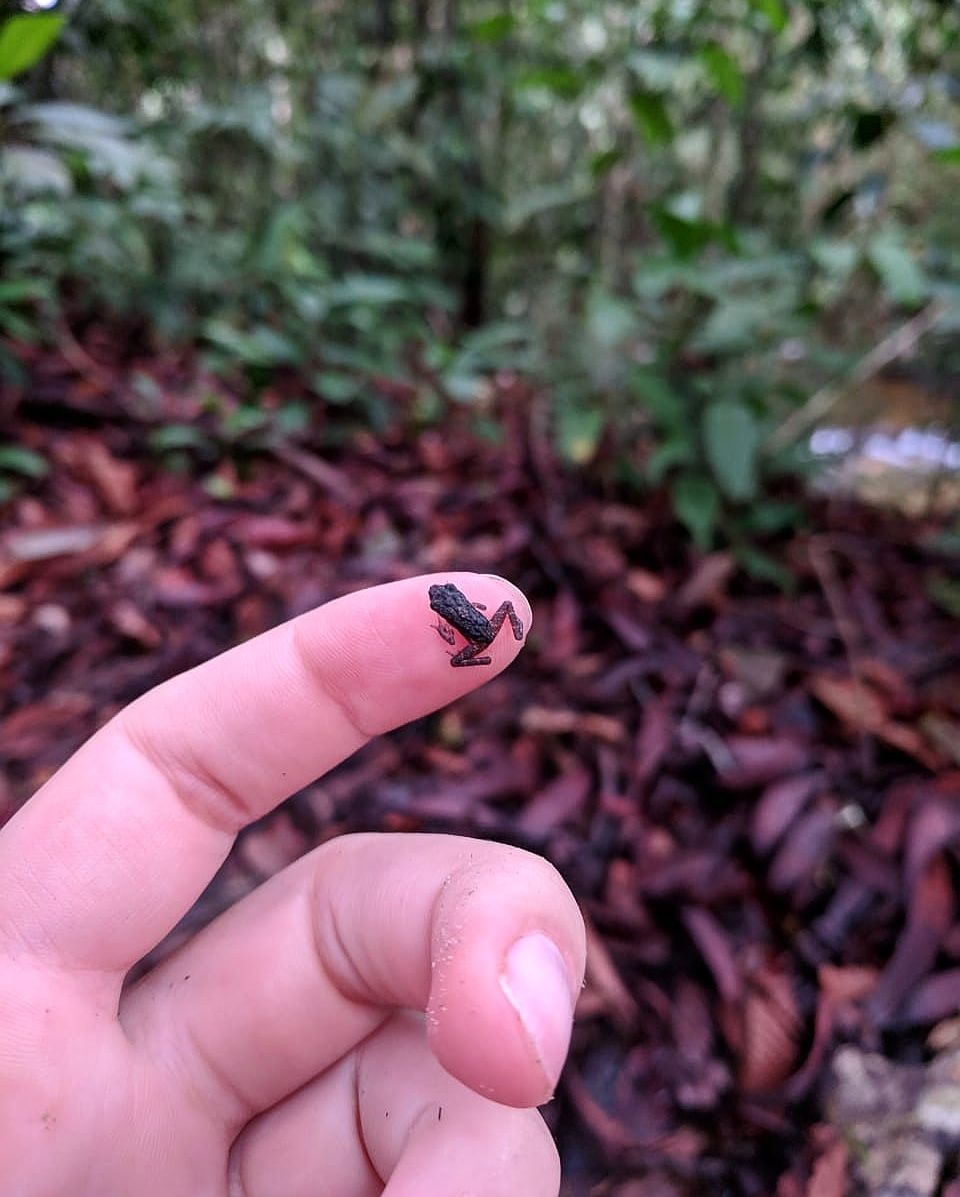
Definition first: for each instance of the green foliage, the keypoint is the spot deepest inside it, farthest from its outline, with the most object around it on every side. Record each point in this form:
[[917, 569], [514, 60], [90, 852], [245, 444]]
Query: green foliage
[[731, 440], [25, 39], [681, 218], [17, 465], [697, 504]]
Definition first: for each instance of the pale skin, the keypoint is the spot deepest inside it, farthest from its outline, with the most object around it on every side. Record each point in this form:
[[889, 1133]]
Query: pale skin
[[362, 1023]]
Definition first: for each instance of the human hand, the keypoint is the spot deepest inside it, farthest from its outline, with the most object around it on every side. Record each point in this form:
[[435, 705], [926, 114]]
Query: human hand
[[283, 1050]]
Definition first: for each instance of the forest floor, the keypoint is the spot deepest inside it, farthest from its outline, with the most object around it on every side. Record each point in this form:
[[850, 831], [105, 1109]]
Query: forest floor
[[754, 795]]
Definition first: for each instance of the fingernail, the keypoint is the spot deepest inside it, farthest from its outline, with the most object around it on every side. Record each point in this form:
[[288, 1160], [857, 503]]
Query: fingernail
[[536, 984]]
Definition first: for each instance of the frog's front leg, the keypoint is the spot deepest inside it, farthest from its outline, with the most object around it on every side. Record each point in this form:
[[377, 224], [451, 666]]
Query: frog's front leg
[[446, 632]]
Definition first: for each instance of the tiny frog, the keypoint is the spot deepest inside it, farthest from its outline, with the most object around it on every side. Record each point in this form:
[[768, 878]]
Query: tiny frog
[[453, 605]]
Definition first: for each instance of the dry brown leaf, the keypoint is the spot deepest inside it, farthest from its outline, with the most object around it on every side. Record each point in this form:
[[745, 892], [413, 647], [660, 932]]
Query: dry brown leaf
[[847, 983], [929, 916], [115, 480], [829, 1177], [779, 805], [648, 587], [603, 978], [771, 1027], [549, 721], [717, 950], [707, 582], [863, 710], [943, 734], [130, 621], [40, 544], [758, 760]]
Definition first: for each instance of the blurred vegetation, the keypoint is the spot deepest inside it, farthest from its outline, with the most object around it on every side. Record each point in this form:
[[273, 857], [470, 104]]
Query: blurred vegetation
[[679, 217]]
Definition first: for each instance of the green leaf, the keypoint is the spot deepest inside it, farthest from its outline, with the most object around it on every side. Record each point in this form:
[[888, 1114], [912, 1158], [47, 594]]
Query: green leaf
[[687, 237], [179, 436], [18, 327], [951, 155], [696, 505], [836, 257], [764, 568], [219, 487], [463, 386], [610, 320], [945, 592], [492, 29], [902, 278], [774, 10], [22, 290], [651, 117], [24, 40], [676, 450], [563, 81], [261, 346], [246, 418], [375, 290], [724, 72], [731, 439], [337, 388], [603, 162], [292, 419], [15, 459], [655, 395], [578, 432], [537, 201], [770, 516], [33, 171]]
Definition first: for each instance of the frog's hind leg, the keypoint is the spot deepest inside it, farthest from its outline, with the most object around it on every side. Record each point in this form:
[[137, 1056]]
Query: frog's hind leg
[[468, 656], [506, 611]]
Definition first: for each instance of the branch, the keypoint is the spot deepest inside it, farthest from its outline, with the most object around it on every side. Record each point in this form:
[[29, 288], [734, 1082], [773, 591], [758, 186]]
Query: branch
[[899, 342]]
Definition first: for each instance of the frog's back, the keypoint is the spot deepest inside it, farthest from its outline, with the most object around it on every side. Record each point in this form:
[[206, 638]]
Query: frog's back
[[453, 605]]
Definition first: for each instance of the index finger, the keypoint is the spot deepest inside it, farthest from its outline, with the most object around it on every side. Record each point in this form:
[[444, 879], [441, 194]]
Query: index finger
[[117, 846]]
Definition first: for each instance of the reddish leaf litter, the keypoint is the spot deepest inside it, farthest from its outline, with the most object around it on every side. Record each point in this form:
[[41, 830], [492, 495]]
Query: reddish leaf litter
[[754, 796]]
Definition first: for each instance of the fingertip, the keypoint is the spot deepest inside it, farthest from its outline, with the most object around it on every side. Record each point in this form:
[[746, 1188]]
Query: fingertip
[[506, 970]]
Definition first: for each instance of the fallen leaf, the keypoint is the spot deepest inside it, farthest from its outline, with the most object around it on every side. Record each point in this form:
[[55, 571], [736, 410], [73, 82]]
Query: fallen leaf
[[557, 802], [758, 760], [863, 711], [717, 950], [943, 735], [40, 544], [929, 916], [648, 587], [604, 979], [779, 805], [771, 1028], [847, 983], [706, 584], [548, 721], [829, 1176], [804, 850]]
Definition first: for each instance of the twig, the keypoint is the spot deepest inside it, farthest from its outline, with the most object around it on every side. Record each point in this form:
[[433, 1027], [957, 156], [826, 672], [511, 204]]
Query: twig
[[846, 629], [75, 355], [326, 476], [899, 342]]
